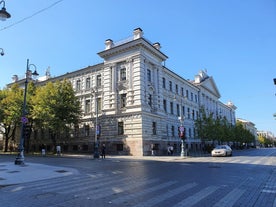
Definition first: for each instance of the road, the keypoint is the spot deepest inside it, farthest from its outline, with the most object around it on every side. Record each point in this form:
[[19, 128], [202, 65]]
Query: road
[[248, 178]]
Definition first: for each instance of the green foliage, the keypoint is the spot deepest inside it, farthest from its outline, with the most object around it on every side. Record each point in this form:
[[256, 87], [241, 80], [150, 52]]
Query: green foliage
[[10, 111], [56, 107], [210, 128]]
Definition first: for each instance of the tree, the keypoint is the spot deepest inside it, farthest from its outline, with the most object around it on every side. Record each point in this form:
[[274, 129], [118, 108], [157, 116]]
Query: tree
[[10, 112], [56, 108]]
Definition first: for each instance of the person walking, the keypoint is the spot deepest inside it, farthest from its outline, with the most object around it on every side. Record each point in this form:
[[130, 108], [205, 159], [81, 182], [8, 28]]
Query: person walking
[[103, 151]]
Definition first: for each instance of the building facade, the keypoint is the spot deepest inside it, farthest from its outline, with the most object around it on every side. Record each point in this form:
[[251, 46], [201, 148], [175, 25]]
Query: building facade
[[134, 104]]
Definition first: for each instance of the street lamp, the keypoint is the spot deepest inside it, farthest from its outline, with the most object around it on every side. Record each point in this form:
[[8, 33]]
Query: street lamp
[[20, 157], [181, 130], [3, 13], [97, 128], [2, 52]]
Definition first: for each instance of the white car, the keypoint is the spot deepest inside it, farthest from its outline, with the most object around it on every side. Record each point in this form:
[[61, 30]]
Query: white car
[[221, 150]]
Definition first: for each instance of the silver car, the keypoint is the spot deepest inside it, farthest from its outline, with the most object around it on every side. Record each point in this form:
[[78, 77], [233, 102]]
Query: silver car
[[221, 150]]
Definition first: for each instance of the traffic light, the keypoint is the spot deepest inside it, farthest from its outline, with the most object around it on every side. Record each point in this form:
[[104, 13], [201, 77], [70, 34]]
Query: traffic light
[[181, 132], [27, 131]]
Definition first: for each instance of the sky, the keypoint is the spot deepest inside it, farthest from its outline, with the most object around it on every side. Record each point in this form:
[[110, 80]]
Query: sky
[[233, 40]]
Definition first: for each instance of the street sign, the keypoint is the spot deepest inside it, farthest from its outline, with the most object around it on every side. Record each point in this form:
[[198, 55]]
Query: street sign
[[24, 120]]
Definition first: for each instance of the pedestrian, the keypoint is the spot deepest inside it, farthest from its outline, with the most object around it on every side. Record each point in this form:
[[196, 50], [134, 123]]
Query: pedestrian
[[169, 149], [58, 148], [103, 151]]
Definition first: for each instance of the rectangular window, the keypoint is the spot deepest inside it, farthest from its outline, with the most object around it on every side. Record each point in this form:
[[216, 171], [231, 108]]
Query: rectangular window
[[87, 107], [164, 82], [120, 147], [123, 100], [150, 100], [182, 91], [99, 81], [177, 110], [120, 128], [172, 131], [99, 105], [188, 113], [123, 74], [170, 85], [187, 94], [193, 114], [165, 105], [86, 130], [149, 75], [171, 106], [154, 128], [78, 85], [176, 89], [88, 83], [192, 96]]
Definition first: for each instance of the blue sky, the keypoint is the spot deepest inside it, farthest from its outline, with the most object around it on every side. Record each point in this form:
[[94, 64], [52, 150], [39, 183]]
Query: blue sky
[[235, 41]]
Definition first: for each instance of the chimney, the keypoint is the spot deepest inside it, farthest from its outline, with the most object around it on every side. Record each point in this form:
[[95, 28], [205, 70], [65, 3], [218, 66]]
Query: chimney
[[157, 45], [137, 33], [108, 44]]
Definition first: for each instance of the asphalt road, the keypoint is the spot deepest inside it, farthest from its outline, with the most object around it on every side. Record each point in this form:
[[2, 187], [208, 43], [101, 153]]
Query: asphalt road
[[248, 178]]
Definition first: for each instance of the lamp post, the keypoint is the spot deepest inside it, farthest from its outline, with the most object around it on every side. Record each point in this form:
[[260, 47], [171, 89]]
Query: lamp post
[[97, 129], [3, 13], [2, 52], [19, 160], [181, 130]]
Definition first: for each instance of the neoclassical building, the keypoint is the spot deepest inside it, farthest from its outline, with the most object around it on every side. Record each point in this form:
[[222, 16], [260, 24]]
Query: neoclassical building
[[138, 103]]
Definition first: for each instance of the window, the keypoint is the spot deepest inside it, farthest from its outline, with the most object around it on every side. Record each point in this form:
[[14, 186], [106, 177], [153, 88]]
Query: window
[[183, 111], [149, 75], [192, 96], [196, 98], [99, 81], [172, 131], [150, 100], [189, 113], [123, 100], [120, 128], [120, 147], [165, 105], [78, 85], [193, 114], [154, 128], [177, 110], [187, 94], [164, 82], [182, 91], [170, 85], [87, 107], [123, 74], [88, 83], [176, 89], [171, 106], [86, 130], [99, 105]]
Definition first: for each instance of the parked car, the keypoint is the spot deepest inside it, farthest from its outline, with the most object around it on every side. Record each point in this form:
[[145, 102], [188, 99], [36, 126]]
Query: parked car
[[221, 150]]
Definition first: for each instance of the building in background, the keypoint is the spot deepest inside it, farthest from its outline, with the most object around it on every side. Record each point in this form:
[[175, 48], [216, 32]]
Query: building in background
[[137, 101]]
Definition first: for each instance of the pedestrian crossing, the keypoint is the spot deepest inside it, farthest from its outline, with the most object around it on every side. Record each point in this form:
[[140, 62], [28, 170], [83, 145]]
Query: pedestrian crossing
[[114, 189], [269, 161]]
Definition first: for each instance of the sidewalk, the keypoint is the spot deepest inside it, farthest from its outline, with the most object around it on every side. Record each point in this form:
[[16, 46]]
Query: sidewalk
[[14, 174]]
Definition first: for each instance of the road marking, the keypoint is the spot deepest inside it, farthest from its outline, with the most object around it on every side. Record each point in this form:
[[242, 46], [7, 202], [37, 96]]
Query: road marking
[[125, 198], [192, 200], [158, 199], [230, 198]]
